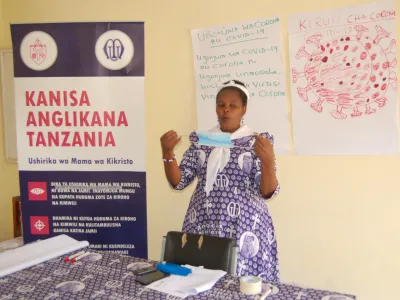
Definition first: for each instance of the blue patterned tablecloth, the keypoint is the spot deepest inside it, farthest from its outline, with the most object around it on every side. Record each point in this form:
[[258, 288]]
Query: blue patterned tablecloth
[[105, 275]]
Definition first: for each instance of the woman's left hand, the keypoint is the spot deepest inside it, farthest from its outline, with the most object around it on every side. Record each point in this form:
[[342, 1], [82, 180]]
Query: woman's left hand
[[264, 150]]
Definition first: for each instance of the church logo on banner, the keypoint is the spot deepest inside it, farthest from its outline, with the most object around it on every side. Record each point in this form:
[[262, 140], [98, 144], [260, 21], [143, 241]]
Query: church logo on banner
[[114, 50], [38, 50], [37, 191]]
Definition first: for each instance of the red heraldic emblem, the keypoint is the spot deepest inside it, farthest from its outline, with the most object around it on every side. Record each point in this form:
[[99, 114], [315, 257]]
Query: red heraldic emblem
[[38, 52]]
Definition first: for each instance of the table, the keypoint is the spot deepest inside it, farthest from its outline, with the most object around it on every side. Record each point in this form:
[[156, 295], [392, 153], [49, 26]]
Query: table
[[106, 275]]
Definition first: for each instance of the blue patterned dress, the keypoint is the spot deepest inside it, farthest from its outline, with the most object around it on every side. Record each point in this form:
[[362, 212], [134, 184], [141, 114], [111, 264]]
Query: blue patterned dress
[[234, 207]]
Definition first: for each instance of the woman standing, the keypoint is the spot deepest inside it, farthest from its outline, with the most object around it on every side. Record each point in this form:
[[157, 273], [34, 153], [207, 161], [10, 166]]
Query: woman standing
[[233, 184]]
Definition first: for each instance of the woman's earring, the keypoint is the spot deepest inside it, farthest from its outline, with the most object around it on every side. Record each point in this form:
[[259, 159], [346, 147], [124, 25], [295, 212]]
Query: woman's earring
[[242, 120]]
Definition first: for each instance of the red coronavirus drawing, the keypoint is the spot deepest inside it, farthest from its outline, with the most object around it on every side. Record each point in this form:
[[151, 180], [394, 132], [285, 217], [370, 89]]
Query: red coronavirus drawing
[[352, 72]]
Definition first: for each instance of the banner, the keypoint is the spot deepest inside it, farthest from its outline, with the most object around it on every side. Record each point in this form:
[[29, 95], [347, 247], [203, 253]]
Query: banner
[[251, 52], [79, 92], [344, 80]]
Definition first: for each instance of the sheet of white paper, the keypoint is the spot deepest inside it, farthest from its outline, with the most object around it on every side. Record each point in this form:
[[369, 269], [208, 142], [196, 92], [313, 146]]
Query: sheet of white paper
[[36, 253], [249, 51], [200, 280], [344, 80]]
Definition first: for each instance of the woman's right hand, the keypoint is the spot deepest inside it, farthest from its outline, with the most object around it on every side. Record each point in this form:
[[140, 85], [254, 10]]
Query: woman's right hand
[[168, 142]]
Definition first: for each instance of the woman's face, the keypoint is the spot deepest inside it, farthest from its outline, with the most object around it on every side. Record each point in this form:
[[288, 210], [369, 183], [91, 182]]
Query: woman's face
[[230, 110]]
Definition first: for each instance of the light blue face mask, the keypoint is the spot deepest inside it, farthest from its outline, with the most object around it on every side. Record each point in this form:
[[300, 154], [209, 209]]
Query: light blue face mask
[[216, 139]]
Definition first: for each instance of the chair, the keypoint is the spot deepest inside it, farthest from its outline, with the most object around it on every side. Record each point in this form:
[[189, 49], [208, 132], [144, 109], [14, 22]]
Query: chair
[[17, 217], [211, 252]]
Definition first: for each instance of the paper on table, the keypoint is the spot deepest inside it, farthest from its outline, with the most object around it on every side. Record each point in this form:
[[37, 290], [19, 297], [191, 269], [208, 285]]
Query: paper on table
[[33, 254], [198, 281]]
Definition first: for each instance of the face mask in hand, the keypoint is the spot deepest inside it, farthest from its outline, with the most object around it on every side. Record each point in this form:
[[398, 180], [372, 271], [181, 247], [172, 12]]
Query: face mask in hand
[[216, 139]]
